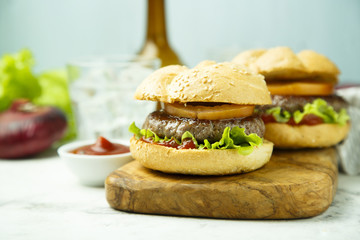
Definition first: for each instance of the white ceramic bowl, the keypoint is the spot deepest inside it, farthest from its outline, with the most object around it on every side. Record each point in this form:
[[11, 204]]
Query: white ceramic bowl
[[92, 170]]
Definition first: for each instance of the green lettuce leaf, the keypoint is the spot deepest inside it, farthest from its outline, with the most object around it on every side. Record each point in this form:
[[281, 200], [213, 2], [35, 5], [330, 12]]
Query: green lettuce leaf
[[236, 138], [280, 115], [17, 79], [187, 135], [135, 130], [320, 108], [343, 117], [232, 138]]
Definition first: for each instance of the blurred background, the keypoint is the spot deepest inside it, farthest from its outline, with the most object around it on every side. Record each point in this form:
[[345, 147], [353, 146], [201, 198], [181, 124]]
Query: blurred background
[[58, 31]]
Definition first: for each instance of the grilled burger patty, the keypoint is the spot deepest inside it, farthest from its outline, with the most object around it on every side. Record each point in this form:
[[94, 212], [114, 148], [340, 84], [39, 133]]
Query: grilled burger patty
[[294, 103], [167, 125]]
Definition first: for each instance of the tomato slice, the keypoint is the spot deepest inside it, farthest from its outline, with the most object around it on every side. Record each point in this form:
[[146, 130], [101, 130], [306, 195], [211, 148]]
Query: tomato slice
[[301, 89], [224, 111]]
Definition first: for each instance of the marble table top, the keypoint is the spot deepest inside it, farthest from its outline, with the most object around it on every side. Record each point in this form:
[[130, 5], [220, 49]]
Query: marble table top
[[41, 199]]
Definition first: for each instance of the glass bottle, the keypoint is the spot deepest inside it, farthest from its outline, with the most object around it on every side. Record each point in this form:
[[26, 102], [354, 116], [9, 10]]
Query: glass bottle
[[156, 44]]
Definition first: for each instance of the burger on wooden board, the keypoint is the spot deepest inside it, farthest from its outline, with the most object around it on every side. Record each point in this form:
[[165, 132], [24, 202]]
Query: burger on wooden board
[[207, 124], [304, 112]]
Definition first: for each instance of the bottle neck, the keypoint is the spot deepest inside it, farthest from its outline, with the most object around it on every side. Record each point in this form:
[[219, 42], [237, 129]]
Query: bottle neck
[[156, 27]]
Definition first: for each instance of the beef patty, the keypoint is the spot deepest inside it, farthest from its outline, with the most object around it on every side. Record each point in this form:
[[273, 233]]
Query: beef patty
[[294, 103], [167, 125]]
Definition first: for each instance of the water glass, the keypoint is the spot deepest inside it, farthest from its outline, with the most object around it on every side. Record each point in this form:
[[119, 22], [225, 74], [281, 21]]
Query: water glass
[[102, 90]]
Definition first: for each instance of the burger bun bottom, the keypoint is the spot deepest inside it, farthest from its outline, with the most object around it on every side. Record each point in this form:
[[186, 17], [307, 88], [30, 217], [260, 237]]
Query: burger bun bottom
[[199, 162], [305, 136]]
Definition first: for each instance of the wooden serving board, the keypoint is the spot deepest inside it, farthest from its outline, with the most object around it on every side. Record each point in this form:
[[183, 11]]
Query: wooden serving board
[[294, 184]]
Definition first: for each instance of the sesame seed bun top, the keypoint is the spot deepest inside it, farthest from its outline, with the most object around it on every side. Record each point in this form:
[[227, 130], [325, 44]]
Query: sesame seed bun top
[[207, 82], [282, 64]]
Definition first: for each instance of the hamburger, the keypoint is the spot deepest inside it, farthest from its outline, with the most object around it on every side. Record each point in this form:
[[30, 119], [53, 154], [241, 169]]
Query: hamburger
[[206, 124], [304, 112]]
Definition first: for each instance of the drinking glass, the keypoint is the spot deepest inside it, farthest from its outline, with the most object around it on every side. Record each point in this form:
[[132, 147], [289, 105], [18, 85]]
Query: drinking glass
[[102, 89]]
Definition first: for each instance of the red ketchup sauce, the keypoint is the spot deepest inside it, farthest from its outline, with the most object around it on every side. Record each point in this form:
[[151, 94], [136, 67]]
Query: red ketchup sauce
[[308, 119], [102, 146], [186, 144]]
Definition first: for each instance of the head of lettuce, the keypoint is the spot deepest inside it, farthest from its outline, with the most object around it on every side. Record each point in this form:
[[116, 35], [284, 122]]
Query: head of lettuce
[[19, 81]]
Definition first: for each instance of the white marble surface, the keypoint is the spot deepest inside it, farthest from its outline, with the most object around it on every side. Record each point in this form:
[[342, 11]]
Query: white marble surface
[[41, 199]]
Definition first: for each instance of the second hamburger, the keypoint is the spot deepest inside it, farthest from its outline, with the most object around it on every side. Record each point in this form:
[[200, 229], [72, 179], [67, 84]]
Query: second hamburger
[[305, 111]]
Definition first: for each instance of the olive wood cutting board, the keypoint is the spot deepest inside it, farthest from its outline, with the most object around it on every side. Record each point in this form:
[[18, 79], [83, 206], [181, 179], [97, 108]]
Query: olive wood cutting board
[[294, 184]]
